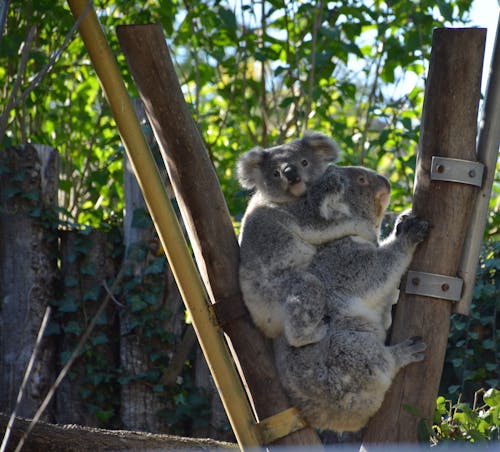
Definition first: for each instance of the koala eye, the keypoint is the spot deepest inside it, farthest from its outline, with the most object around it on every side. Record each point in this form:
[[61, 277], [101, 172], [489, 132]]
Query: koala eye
[[304, 162], [276, 173], [362, 180]]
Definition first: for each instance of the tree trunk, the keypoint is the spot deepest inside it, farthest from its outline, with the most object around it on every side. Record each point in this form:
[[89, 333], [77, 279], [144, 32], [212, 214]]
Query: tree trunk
[[86, 264], [28, 269], [449, 125], [205, 214]]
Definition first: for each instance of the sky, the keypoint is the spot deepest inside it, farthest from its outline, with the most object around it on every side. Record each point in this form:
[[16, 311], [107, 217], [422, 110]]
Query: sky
[[485, 13]]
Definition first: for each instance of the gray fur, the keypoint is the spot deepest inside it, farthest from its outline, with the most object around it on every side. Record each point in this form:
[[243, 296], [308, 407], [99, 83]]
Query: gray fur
[[339, 382], [278, 241]]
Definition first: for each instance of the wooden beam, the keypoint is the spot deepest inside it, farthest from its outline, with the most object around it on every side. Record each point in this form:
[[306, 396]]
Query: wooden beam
[[449, 126], [205, 213], [75, 438]]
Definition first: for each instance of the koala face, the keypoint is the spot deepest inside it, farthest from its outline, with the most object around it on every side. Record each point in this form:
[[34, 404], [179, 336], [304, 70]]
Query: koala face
[[283, 173], [352, 191]]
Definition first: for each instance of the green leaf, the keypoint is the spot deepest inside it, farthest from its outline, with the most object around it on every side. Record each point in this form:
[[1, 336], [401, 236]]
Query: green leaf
[[92, 294], [68, 304], [99, 339], [53, 328], [492, 397], [72, 327]]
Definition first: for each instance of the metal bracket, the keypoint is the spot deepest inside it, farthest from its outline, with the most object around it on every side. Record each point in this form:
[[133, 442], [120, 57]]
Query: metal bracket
[[456, 170], [435, 286]]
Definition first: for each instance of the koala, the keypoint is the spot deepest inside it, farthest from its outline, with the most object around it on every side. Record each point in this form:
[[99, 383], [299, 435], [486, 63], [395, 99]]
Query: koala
[[280, 233], [339, 382], [282, 173]]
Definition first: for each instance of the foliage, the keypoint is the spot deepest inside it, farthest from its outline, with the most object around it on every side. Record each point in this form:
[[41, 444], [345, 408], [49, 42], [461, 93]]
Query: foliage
[[473, 354], [89, 258], [474, 423], [253, 73]]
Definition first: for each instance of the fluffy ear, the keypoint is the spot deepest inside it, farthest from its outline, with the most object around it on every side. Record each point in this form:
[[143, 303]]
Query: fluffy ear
[[323, 145], [248, 167]]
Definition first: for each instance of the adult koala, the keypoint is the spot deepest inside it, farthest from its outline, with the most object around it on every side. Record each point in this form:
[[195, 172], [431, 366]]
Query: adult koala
[[339, 382], [280, 234]]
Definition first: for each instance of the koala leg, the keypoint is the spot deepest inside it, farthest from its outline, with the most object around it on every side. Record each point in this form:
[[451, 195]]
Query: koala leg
[[305, 320], [409, 351]]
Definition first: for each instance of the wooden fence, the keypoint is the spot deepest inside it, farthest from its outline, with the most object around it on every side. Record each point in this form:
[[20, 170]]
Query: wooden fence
[[132, 370]]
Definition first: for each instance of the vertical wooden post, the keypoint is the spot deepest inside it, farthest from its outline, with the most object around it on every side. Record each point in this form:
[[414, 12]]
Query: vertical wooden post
[[449, 125], [28, 271], [205, 214]]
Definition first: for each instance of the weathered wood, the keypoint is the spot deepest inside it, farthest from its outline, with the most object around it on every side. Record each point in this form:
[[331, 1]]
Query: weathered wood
[[73, 438], [28, 270], [86, 262], [204, 210], [448, 129]]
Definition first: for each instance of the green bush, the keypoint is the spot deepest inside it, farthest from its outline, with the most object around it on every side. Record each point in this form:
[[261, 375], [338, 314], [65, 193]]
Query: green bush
[[473, 353], [476, 422]]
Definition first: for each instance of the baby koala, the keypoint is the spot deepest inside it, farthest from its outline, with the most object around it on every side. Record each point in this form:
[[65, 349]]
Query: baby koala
[[339, 382], [280, 234]]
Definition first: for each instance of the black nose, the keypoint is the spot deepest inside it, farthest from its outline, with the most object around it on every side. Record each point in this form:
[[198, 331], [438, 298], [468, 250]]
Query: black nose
[[291, 174]]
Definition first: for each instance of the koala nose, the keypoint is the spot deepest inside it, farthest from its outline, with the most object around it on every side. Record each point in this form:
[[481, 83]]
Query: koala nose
[[291, 174]]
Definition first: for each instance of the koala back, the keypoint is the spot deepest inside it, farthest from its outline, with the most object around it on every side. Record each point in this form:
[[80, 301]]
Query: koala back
[[283, 173]]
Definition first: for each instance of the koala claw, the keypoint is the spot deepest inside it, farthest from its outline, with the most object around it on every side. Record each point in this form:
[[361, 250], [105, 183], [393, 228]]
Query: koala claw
[[414, 228], [414, 347]]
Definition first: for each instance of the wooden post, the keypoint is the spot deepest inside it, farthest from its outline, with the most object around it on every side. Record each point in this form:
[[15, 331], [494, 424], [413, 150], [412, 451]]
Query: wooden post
[[205, 214], [28, 271], [449, 125]]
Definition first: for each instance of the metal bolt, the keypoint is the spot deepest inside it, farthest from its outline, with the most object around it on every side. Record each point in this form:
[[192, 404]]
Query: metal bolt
[[440, 169], [445, 287], [415, 281], [472, 173]]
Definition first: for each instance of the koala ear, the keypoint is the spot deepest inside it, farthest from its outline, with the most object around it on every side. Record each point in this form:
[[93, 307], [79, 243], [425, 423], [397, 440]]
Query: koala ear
[[323, 145], [248, 167]]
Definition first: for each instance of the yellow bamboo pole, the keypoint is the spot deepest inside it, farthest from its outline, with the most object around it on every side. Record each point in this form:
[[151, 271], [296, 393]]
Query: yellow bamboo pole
[[161, 210]]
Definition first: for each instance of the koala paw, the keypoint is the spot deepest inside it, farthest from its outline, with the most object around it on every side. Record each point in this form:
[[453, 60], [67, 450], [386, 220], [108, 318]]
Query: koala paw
[[411, 350], [303, 325], [402, 217], [413, 228]]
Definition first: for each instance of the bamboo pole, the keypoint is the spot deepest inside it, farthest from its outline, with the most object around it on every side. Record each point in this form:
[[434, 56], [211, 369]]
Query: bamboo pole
[[449, 125], [167, 226]]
